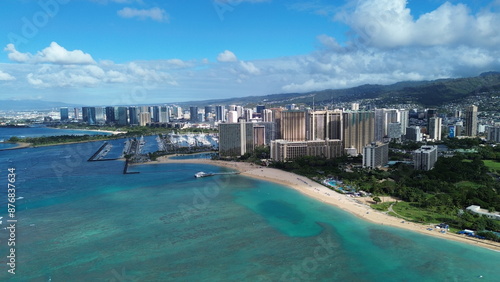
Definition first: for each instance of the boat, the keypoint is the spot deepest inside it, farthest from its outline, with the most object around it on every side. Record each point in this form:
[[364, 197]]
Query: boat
[[202, 174]]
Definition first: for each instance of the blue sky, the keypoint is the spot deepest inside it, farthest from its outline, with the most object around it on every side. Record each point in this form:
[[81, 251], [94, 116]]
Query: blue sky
[[102, 52]]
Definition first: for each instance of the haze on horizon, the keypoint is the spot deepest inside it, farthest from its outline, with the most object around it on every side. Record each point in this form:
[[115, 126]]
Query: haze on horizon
[[98, 52]]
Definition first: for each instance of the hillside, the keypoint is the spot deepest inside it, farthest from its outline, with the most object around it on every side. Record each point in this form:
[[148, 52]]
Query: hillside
[[426, 93]]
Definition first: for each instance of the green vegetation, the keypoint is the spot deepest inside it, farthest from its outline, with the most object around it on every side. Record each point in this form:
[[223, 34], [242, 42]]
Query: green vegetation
[[382, 206], [62, 139], [428, 196]]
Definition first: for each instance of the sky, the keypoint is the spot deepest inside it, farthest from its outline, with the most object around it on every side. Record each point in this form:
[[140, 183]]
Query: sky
[[125, 52]]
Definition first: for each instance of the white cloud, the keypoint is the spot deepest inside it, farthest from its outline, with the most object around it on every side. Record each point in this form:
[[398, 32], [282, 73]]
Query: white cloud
[[5, 76], [227, 56], [54, 54], [390, 24], [155, 14], [249, 67], [15, 55]]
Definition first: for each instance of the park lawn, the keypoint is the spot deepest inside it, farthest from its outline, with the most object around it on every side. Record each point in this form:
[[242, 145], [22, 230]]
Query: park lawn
[[492, 165], [382, 206], [467, 184], [409, 210]]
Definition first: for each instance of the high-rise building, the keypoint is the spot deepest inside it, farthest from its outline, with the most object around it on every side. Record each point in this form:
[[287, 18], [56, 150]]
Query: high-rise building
[[133, 115], [358, 129], [122, 119], [294, 125], [404, 120], [471, 121], [64, 114], [394, 130], [267, 115], [220, 113], [414, 133], [164, 114], [236, 139], [260, 109], [144, 118], [193, 113], [283, 150], [209, 110], [88, 115], [77, 113], [354, 107], [100, 115], [248, 114], [110, 114], [425, 158], [434, 128], [232, 117], [155, 116], [376, 155], [430, 113], [325, 125], [494, 133]]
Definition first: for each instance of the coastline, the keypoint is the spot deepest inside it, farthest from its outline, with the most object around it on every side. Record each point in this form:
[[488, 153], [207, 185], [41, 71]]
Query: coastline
[[20, 145], [317, 191], [94, 130]]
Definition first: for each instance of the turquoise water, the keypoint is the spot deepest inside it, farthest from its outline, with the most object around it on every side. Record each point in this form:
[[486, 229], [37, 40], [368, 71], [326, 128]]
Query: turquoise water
[[38, 131], [86, 221]]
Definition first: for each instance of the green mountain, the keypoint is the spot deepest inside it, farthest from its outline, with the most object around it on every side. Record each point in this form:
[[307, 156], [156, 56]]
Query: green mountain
[[426, 93]]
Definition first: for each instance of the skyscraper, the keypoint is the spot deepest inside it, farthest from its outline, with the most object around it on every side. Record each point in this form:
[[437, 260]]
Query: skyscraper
[[110, 114], [325, 125], [294, 126], [434, 128], [208, 112], [375, 155], [88, 115], [122, 116], [193, 113], [64, 114], [260, 108], [425, 158], [144, 118], [133, 115], [471, 121], [358, 129], [220, 113], [164, 114]]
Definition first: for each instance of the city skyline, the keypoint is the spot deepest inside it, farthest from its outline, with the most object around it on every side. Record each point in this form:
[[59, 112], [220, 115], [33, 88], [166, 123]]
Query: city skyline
[[136, 52]]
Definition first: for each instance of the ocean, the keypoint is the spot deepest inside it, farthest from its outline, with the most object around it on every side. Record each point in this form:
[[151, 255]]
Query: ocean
[[86, 221]]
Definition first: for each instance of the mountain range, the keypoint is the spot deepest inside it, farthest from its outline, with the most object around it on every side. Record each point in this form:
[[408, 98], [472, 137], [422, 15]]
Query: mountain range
[[433, 93]]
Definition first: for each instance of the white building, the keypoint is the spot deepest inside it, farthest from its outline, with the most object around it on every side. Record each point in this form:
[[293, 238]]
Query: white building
[[425, 158], [376, 155], [478, 210]]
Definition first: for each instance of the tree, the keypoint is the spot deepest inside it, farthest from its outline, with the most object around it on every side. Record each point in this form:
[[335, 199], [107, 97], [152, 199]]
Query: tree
[[377, 199]]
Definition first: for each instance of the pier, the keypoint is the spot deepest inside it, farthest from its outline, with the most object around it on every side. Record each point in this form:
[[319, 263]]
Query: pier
[[125, 169], [101, 153]]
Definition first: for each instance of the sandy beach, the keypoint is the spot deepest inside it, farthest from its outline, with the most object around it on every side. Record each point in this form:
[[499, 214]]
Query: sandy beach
[[20, 145], [356, 206]]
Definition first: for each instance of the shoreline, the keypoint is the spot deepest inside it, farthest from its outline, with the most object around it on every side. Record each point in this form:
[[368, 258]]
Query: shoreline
[[319, 192], [20, 145], [94, 130]]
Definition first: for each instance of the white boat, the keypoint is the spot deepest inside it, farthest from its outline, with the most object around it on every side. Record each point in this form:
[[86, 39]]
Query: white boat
[[202, 174]]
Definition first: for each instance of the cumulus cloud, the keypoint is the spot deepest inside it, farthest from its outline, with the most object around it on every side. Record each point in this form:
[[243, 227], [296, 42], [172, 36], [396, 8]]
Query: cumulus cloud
[[390, 24], [155, 14], [227, 56], [5, 76], [54, 54], [249, 67]]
